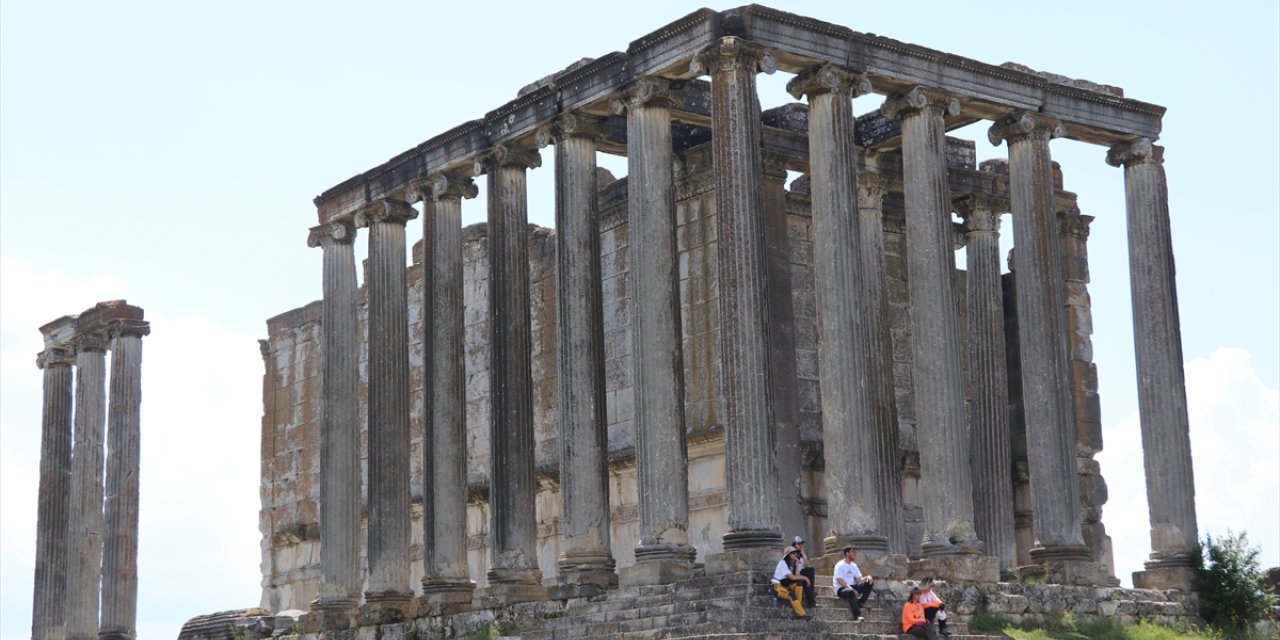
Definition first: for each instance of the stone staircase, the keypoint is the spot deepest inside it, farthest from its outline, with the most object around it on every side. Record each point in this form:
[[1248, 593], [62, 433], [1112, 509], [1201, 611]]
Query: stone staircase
[[724, 607]]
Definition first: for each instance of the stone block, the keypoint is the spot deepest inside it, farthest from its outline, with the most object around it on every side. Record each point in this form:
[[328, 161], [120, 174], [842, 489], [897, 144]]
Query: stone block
[[738, 560], [1164, 578], [654, 573], [960, 568]]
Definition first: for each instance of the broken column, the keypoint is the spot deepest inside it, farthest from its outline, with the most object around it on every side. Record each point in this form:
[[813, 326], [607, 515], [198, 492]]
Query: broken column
[[586, 564], [120, 541], [663, 553], [1162, 394], [387, 591], [446, 582], [951, 546], [48, 607], [989, 391], [1046, 387], [513, 561], [746, 389], [340, 478]]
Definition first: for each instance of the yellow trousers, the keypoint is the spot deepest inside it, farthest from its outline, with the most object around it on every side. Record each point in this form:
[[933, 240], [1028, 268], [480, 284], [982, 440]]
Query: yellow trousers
[[792, 594]]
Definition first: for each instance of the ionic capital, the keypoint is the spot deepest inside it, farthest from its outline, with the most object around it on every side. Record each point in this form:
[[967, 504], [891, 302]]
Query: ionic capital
[[732, 53], [920, 99], [775, 165], [1073, 223], [54, 356], [385, 211], [571, 124], [649, 91], [1023, 125], [337, 232], [981, 212], [871, 188], [506, 156], [128, 327], [1135, 152], [91, 341], [829, 78], [442, 185]]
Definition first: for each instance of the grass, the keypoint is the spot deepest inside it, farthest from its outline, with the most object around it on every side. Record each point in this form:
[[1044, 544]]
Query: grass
[[1107, 630]]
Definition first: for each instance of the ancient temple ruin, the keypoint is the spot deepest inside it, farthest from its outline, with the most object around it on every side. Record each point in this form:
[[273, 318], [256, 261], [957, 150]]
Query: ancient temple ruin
[[86, 575], [703, 356]]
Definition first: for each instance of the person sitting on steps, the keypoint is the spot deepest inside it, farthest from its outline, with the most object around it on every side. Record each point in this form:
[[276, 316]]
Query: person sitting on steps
[[938, 612], [913, 619], [788, 584], [810, 598], [850, 584]]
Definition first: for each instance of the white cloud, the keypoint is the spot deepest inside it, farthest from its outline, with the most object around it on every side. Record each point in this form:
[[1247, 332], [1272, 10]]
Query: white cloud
[[201, 412], [1235, 445]]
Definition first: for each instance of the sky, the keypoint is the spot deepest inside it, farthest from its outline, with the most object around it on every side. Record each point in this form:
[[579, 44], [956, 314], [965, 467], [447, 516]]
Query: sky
[[168, 153]]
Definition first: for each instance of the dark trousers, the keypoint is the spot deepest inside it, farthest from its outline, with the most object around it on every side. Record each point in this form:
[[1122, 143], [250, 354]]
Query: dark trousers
[[809, 596], [931, 613], [923, 631], [856, 596]]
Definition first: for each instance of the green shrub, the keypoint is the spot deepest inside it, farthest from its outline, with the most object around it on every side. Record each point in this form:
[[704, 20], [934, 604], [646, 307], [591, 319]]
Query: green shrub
[[1229, 583]]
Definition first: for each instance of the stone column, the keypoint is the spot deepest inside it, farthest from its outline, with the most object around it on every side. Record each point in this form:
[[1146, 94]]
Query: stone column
[[586, 560], [340, 544], [663, 553], [513, 561], [746, 392], [844, 334], [446, 582], [124, 433], [871, 190], [48, 610], [84, 546], [1046, 387], [946, 481], [387, 591], [989, 445], [1162, 395]]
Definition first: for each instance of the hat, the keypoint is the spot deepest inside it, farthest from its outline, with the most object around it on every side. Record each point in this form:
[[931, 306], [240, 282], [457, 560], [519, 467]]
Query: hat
[[914, 590], [789, 551], [797, 540]]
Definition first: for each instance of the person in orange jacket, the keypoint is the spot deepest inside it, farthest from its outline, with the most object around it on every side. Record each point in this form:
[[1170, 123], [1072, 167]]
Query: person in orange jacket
[[913, 620]]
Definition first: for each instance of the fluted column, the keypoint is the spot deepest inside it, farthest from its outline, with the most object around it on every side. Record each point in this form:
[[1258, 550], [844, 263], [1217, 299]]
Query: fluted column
[[884, 406], [1162, 395], [586, 560], [513, 487], [663, 553], [84, 546], [120, 542], [844, 333], [387, 588], [746, 391], [1046, 387], [991, 452], [340, 544], [48, 610], [946, 481], [446, 582]]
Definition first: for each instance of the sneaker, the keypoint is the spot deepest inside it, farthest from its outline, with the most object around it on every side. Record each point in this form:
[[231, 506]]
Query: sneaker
[[859, 619], [945, 632]]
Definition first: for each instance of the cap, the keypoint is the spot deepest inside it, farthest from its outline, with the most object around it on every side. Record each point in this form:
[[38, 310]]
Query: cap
[[797, 540]]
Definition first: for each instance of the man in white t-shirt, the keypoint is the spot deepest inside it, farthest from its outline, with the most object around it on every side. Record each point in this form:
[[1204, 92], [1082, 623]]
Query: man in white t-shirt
[[850, 584]]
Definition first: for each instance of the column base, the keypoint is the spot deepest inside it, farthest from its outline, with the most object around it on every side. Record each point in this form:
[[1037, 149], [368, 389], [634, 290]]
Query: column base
[[835, 543], [752, 539], [385, 607], [659, 564], [333, 614], [1066, 564], [116, 634], [736, 560], [958, 568], [445, 596], [1165, 578], [584, 575], [508, 593]]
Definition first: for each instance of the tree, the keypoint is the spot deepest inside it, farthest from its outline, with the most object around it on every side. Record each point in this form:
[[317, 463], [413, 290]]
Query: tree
[[1229, 582]]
